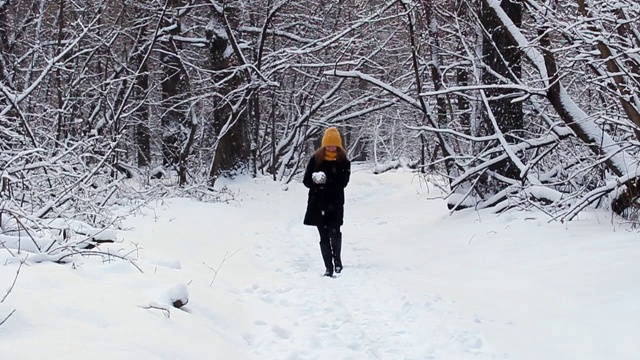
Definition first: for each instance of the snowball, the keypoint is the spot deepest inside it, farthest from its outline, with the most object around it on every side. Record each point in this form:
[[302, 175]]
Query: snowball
[[319, 177]]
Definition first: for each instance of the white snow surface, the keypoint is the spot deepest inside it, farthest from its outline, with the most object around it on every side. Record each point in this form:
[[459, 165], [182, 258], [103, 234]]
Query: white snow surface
[[418, 283]]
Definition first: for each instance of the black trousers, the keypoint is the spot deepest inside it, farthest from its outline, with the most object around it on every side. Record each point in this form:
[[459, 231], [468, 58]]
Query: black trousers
[[330, 245]]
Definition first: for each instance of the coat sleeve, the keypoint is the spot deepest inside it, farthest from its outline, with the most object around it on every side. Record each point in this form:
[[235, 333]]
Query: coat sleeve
[[307, 180], [346, 173], [341, 178]]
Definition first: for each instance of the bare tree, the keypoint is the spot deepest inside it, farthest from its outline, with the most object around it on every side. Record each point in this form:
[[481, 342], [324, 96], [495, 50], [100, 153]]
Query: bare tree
[[515, 103]]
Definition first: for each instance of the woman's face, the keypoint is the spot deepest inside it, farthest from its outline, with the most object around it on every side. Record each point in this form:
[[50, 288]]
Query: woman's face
[[331, 148]]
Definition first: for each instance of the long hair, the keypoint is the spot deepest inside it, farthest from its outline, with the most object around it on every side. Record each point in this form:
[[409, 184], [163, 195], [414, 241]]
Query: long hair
[[319, 155]]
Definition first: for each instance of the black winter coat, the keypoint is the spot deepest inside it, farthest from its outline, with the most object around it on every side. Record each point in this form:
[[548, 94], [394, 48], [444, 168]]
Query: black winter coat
[[325, 205]]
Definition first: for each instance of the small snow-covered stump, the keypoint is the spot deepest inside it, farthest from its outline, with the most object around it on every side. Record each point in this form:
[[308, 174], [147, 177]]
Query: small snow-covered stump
[[178, 295]]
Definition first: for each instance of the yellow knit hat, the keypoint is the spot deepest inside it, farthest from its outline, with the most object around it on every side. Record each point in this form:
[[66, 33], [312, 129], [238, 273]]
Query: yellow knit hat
[[331, 138]]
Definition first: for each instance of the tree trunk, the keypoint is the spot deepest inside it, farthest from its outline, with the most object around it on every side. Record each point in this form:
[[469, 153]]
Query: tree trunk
[[5, 64], [255, 122], [233, 151], [143, 133], [175, 89], [462, 74], [436, 77], [62, 126], [434, 64], [4, 42], [142, 136], [186, 149], [502, 56]]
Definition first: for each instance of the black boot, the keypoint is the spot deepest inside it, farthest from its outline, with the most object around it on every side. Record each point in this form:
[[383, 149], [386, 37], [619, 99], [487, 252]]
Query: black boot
[[338, 265], [325, 248], [336, 245]]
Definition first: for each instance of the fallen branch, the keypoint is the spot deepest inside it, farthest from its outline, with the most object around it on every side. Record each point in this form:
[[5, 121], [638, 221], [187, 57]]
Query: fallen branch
[[98, 253], [164, 310], [394, 165]]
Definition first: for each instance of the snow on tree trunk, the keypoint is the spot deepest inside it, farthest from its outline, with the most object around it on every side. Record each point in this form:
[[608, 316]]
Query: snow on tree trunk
[[232, 147], [503, 60]]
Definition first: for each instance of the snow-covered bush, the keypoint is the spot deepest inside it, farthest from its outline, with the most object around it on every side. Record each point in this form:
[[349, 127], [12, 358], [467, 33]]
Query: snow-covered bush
[[59, 202]]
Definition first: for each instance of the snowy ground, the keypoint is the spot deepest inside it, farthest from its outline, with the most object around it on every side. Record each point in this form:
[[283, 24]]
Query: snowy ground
[[417, 284]]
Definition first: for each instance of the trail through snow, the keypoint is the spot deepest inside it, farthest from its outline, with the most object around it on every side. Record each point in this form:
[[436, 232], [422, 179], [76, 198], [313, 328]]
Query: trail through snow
[[417, 284]]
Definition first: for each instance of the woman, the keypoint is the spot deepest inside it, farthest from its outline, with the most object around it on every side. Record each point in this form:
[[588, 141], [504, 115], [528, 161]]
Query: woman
[[326, 176]]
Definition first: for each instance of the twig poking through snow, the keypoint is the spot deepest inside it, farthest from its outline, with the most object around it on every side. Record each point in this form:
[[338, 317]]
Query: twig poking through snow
[[225, 258], [2, 244], [6, 295], [7, 317]]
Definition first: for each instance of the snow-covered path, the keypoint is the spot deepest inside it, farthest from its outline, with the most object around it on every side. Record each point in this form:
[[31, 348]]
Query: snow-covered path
[[292, 312], [365, 313], [417, 284]]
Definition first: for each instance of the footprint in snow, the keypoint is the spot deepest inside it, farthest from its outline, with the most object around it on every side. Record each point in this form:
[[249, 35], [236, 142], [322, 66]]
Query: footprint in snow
[[284, 290], [470, 341], [280, 332], [252, 289], [250, 340]]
